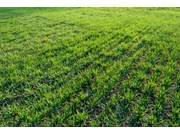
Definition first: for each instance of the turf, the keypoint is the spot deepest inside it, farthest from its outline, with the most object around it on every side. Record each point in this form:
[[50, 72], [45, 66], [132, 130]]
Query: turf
[[89, 67]]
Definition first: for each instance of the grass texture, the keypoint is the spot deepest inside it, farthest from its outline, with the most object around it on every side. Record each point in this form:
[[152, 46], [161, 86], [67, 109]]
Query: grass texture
[[89, 67]]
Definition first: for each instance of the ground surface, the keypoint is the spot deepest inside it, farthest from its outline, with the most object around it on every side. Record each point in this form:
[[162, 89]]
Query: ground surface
[[89, 67]]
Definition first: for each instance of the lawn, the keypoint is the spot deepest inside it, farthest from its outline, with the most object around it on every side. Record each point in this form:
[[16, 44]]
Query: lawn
[[89, 67]]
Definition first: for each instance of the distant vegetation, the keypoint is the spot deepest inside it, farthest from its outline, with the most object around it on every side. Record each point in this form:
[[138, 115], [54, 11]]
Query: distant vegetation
[[89, 67]]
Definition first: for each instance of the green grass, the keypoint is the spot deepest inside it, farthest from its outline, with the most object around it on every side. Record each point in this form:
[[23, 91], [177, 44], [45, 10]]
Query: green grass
[[89, 67]]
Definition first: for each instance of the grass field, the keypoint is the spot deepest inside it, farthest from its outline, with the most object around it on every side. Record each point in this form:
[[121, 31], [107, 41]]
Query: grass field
[[89, 67]]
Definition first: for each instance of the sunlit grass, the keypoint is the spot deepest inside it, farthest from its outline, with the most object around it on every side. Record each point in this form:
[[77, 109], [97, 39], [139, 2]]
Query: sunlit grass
[[89, 67]]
